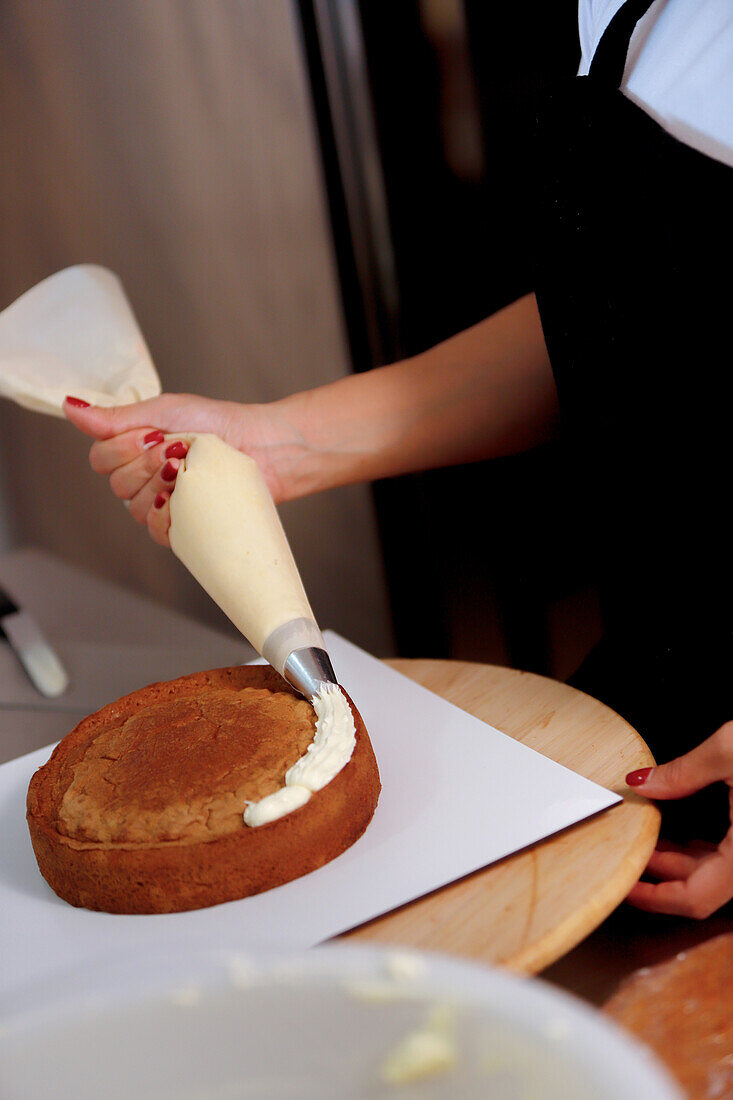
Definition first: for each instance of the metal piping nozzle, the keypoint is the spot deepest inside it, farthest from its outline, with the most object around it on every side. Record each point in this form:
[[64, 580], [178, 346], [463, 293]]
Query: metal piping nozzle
[[308, 670]]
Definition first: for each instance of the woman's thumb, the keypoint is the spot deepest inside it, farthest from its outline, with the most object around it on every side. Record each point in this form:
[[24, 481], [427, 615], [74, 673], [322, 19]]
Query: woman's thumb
[[104, 422], [709, 762]]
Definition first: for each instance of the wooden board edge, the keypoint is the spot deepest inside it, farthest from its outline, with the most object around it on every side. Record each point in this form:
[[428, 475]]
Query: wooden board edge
[[569, 933]]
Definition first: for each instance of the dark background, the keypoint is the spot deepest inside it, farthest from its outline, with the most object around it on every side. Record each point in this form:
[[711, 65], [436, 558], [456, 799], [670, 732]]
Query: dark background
[[484, 562]]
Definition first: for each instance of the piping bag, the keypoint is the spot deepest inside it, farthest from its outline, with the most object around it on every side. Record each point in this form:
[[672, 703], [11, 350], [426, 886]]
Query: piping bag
[[226, 531], [75, 333]]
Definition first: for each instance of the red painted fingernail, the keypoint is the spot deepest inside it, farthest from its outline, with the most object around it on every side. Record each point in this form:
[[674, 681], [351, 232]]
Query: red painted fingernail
[[169, 472], [179, 449], [635, 779], [77, 402], [160, 500], [152, 438]]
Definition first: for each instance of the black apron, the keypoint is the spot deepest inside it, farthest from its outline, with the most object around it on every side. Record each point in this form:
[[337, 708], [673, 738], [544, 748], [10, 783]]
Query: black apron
[[634, 253]]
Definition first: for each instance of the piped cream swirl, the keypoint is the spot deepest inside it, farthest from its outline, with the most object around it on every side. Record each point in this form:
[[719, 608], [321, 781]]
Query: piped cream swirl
[[329, 751]]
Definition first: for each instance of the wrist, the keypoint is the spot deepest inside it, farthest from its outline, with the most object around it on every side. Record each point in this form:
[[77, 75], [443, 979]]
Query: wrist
[[278, 436], [317, 453]]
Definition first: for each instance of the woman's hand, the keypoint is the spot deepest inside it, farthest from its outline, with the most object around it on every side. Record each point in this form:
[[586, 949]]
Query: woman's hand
[[132, 450], [695, 879], [485, 393]]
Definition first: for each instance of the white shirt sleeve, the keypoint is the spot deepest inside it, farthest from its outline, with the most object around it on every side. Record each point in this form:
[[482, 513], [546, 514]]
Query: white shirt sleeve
[[593, 18], [679, 67]]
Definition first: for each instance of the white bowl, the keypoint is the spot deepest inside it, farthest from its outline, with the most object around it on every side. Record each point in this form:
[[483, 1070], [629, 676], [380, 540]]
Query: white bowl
[[213, 1024]]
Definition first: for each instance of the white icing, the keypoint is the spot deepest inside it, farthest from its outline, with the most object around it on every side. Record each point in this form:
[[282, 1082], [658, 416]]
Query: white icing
[[427, 1052], [275, 805], [333, 744], [421, 1055], [404, 967], [329, 751]]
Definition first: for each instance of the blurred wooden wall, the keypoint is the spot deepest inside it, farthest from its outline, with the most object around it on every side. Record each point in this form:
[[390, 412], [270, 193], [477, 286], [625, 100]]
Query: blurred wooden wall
[[172, 141]]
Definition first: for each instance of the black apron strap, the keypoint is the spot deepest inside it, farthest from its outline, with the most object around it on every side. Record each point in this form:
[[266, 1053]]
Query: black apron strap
[[609, 59]]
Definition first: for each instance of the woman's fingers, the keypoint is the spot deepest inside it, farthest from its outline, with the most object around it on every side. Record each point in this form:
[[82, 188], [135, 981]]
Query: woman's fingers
[[709, 886], [102, 423], [128, 447], [672, 863], [143, 475], [163, 480], [107, 455], [159, 518], [695, 880], [170, 412], [261, 431], [705, 764], [131, 448]]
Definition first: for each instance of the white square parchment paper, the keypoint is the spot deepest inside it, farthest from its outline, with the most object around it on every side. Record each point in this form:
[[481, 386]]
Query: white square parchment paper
[[456, 795]]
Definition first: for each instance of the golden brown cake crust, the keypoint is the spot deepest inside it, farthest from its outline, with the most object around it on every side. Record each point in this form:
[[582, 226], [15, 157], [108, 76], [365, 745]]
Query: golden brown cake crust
[[139, 809]]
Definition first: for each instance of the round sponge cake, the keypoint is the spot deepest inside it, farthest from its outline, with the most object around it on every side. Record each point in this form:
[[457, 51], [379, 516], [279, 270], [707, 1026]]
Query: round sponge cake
[[139, 809]]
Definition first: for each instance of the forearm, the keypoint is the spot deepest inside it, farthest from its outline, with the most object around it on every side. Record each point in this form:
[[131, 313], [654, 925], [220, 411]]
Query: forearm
[[487, 392]]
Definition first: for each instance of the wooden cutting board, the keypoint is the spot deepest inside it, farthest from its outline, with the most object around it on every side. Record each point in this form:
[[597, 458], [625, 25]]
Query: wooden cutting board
[[529, 909]]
